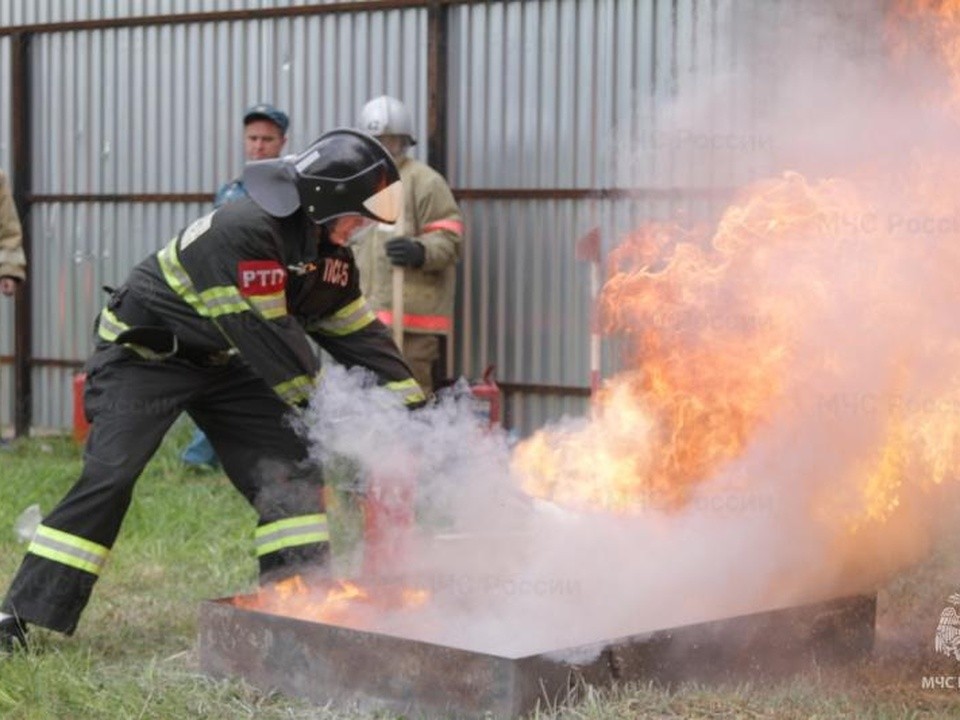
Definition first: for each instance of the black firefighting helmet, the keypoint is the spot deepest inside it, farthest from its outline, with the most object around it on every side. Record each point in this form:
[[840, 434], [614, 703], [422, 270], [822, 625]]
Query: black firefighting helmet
[[345, 172]]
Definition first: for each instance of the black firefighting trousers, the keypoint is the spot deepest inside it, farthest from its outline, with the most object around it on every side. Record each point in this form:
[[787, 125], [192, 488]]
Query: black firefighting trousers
[[131, 404]]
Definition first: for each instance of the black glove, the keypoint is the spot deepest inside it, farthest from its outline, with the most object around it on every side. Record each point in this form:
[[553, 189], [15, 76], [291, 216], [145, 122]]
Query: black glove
[[406, 251]]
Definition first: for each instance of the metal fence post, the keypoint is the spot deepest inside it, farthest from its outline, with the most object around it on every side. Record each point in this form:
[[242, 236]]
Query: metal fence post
[[22, 188]]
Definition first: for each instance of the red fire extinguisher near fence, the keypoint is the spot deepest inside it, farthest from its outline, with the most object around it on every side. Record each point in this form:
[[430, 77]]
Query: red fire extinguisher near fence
[[487, 398], [388, 503], [80, 425]]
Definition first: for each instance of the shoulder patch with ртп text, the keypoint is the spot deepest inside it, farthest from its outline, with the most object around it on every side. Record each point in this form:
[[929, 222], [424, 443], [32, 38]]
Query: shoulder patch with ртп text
[[260, 277]]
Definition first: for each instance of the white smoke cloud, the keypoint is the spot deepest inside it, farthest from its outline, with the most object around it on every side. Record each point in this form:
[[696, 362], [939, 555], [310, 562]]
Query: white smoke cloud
[[513, 576]]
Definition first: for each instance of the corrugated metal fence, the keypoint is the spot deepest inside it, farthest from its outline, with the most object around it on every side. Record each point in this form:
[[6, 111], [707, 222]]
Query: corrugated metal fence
[[547, 117]]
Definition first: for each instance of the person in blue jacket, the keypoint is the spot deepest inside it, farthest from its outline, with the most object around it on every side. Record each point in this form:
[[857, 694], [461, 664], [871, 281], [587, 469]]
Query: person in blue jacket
[[264, 136]]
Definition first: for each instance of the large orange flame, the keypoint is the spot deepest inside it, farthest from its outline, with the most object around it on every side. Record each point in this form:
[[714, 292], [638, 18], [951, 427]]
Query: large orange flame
[[812, 307], [710, 324], [917, 24]]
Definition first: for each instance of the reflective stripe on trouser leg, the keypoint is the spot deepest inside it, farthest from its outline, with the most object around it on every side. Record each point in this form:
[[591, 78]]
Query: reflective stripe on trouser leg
[[290, 545], [268, 462], [286, 547], [291, 533], [72, 560], [70, 550], [131, 404]]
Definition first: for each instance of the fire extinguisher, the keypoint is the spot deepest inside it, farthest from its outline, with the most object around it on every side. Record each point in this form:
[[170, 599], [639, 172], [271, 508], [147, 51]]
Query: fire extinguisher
[[80, 425], [388, 503], [388, 521], [487, 398]]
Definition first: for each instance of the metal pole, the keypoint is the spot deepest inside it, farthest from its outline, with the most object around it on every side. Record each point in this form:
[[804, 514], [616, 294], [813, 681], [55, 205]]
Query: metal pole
[[437, 92], [398, 306], [588, 250], [438, 36], [22, 186]]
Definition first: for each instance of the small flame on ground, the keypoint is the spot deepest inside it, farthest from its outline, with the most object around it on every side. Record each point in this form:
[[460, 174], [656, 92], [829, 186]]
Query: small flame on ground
[[336, 601]]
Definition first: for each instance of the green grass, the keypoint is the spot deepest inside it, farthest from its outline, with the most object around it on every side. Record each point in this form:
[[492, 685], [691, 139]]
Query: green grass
[[187, 539]]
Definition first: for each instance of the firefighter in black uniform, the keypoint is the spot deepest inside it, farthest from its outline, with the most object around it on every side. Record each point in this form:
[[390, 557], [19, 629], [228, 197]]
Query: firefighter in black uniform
[[216, 324]]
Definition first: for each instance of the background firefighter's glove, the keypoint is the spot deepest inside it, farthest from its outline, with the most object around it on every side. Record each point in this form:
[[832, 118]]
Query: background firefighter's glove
[[406, 251]]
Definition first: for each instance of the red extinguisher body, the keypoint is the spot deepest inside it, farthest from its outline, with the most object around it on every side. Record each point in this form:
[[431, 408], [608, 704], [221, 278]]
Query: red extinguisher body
[[80, 425], [388, 520], [488, 398], [389, 502]]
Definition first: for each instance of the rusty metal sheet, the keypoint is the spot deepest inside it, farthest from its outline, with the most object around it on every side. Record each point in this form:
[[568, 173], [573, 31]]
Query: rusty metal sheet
[[371, 671]]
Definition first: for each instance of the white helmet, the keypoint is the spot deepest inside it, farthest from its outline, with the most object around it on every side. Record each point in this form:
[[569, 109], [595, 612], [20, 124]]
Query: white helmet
[[386, 115]]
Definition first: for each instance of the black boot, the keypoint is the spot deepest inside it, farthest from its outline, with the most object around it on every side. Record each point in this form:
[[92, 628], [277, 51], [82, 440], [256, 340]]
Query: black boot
[[13, 635]]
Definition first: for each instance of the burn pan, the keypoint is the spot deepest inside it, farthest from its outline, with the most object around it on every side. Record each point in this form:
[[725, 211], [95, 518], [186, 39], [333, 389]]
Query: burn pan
[[356, 669]]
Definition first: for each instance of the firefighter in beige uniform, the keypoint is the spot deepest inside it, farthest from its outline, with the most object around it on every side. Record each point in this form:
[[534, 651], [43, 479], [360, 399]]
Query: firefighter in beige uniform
[[13, 263], [426, 241]]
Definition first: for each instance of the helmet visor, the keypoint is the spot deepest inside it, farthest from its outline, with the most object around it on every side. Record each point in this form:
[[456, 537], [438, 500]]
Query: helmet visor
[[384, 205], [272, 185]]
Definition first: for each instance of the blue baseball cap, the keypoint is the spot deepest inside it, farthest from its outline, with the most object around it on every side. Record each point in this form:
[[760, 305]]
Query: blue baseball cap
[[265, 111]]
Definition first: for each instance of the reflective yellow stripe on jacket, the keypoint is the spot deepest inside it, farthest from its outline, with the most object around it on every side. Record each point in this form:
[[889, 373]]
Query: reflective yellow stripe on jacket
[[109, 325], [178, 279], [407, 390], [290, 533], [67, 549], [271, 306], [219, 300], [348, 319], [296, 390], [222, 300]]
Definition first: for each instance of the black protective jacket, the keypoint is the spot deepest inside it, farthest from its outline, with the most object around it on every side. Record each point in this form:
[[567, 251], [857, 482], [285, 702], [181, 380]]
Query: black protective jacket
[[242, 281]]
